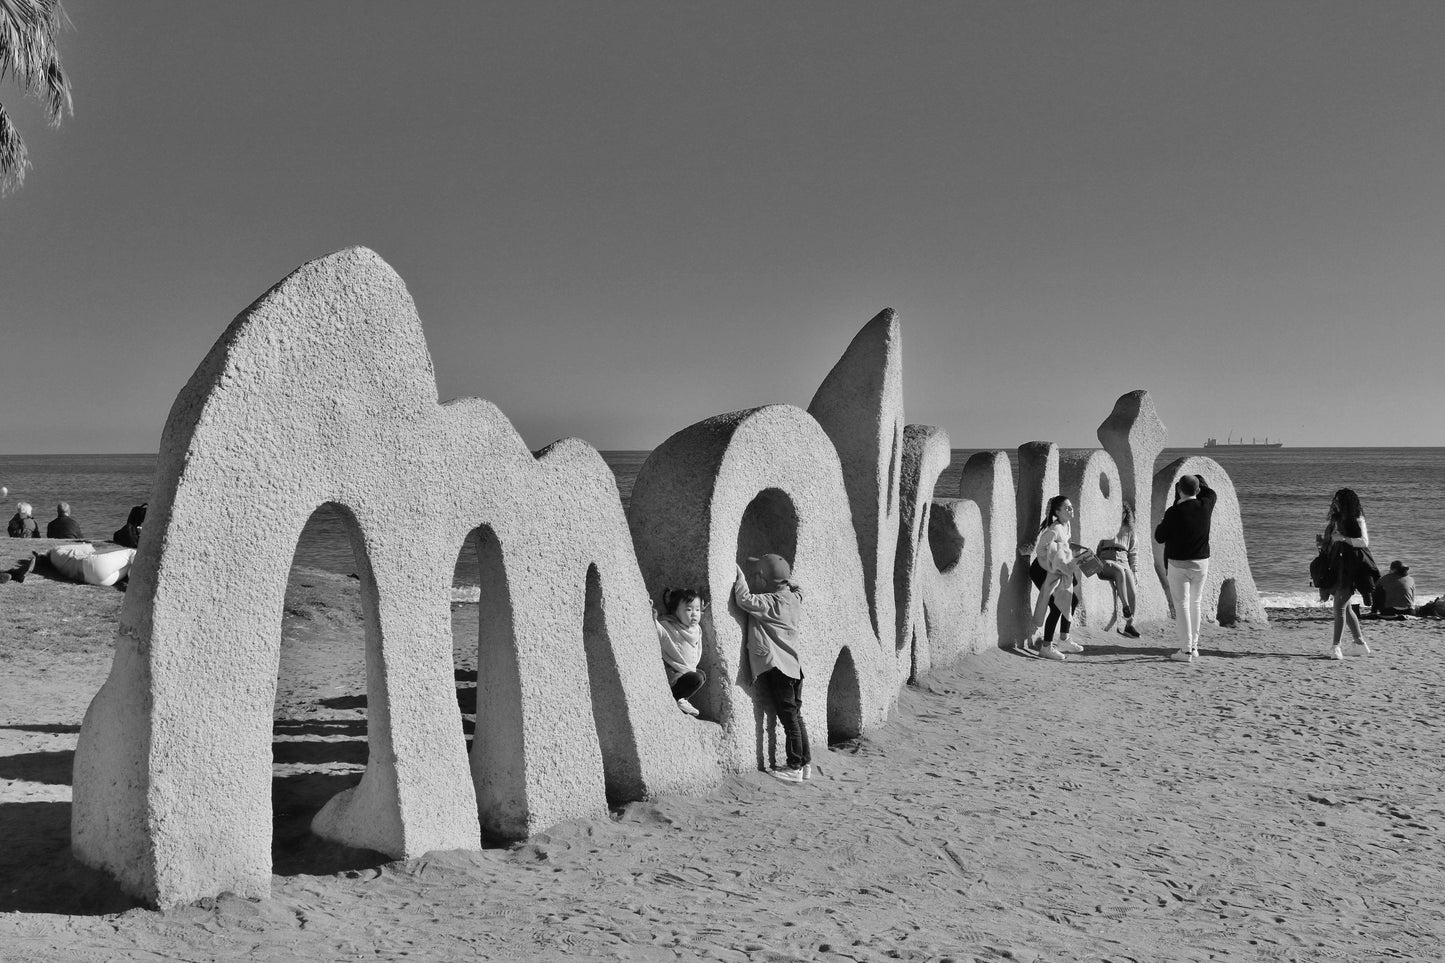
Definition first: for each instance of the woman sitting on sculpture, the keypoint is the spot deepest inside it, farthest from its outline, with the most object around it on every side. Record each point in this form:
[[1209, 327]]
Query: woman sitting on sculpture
[[1121, 559]]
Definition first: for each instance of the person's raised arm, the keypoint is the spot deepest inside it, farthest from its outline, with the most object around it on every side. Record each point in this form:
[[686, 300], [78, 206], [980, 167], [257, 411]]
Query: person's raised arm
[[747, 601]]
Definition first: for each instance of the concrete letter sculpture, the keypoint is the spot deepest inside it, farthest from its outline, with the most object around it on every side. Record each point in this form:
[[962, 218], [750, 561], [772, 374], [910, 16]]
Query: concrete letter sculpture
[[322, 393], [739, 486], [860, 406], [1230, 594]]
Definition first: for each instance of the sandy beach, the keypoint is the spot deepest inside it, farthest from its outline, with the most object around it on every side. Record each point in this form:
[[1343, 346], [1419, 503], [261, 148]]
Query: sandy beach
[[1264, 803]]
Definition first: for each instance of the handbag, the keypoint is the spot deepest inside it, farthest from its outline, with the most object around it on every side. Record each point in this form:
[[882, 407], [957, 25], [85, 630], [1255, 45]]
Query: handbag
[[1087, 561], [1321, 576]]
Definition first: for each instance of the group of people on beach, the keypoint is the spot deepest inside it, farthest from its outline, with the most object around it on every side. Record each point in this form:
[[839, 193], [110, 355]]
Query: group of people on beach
[[78, 561], [1057, 568]]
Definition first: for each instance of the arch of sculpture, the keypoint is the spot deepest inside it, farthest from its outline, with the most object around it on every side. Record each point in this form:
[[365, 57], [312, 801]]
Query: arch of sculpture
[[322, 393]]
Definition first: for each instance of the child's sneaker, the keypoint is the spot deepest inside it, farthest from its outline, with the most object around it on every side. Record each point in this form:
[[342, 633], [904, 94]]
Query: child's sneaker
[[787, 775], [1336, 654], [687, 707]]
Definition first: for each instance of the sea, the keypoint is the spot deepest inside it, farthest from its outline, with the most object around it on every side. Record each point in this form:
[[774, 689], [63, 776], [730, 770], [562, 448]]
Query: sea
[[1284, 494]]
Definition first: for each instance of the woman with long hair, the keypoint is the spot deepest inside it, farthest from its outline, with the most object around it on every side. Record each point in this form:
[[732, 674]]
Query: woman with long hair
[[1345, 535], [1055, 575], [1121, 558]]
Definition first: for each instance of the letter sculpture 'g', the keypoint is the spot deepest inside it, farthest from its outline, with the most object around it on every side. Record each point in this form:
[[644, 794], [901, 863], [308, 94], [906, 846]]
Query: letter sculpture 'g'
[[322, 392]]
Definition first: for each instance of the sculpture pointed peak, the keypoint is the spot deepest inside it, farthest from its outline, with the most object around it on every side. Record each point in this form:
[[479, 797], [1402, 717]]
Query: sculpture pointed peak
[[1133, 414]]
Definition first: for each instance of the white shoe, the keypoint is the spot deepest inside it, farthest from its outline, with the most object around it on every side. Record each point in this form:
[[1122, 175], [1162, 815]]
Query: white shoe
[[1183, 655], [1365, 645], [1069, 645], [1336, 654], [687, 707], [807, 770], [1051, 653], [787, 775]]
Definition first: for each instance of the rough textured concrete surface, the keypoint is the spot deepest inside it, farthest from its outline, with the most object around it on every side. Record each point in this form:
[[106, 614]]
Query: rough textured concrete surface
[[951, 582], [860, 406], [322, 392], [741, 485], [988, 482], [1134, 436], [1091, 481], [926, 454], [1230, 594]]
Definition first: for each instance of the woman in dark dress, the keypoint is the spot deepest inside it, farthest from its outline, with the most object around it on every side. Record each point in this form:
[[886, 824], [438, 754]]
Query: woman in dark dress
[[1347, 541]]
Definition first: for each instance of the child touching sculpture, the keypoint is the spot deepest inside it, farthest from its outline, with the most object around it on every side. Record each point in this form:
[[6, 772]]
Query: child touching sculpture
[[771, 655], [679, 633]]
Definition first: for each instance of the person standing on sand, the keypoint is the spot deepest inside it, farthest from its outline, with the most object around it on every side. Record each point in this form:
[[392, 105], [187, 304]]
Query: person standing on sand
[[771, 655], [22, 525], [62, 525], [1184, 533], [1055, 575], [1347, 541]]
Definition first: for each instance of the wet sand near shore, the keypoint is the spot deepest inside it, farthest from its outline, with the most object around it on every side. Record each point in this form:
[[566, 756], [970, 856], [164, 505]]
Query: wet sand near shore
[[1264, 803]]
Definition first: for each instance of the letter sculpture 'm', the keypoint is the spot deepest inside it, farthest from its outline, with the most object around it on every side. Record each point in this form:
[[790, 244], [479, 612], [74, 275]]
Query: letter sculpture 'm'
[[322, 392]]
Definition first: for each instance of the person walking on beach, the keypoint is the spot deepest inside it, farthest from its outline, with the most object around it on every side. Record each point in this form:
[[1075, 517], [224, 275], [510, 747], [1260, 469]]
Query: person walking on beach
[[771, 655], [22, 525], [62, 525], [1121, 560], [679, 633], [1056, 577], [1347, 542], [1184, 533]]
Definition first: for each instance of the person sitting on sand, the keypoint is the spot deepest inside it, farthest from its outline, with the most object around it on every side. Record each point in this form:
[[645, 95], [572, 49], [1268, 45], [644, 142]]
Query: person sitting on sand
[[1057, 578], [82, 563], [63, 525], [679, 633], [128, 535], [1184, 532], [771, 655], [1121, 559], [1394, 593], [22, 525]]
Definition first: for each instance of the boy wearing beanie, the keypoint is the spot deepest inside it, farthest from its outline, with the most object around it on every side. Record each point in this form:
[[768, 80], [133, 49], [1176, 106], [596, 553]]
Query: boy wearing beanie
[[771, 654]]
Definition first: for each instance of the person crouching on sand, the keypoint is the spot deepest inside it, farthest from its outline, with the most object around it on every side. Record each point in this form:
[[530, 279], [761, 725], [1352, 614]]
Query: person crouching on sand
[[1184, 532], [771, 655], [679, 633], [1057, 578]]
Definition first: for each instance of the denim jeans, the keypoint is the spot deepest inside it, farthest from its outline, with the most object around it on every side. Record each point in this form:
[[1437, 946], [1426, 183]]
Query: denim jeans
[[787, 695]]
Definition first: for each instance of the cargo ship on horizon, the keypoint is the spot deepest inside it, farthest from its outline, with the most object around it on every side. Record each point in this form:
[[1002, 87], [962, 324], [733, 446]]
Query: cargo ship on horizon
[[1252, 443]]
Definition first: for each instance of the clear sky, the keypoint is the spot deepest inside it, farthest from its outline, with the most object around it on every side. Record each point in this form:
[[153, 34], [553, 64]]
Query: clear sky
[[620, 218]]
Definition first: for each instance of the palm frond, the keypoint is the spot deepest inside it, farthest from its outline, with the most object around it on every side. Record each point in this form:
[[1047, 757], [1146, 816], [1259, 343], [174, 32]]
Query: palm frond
[[13, 158]]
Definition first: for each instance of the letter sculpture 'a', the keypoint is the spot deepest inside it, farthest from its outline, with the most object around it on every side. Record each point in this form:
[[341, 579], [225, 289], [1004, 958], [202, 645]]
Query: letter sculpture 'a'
[[322, 392]]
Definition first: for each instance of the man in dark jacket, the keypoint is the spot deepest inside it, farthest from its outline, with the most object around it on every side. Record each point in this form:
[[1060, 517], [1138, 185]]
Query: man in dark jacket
[[1184, 532], [62, 525]]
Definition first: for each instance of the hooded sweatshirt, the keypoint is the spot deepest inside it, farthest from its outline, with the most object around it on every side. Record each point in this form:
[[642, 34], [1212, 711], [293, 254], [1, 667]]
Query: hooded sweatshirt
[[773, 619]]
